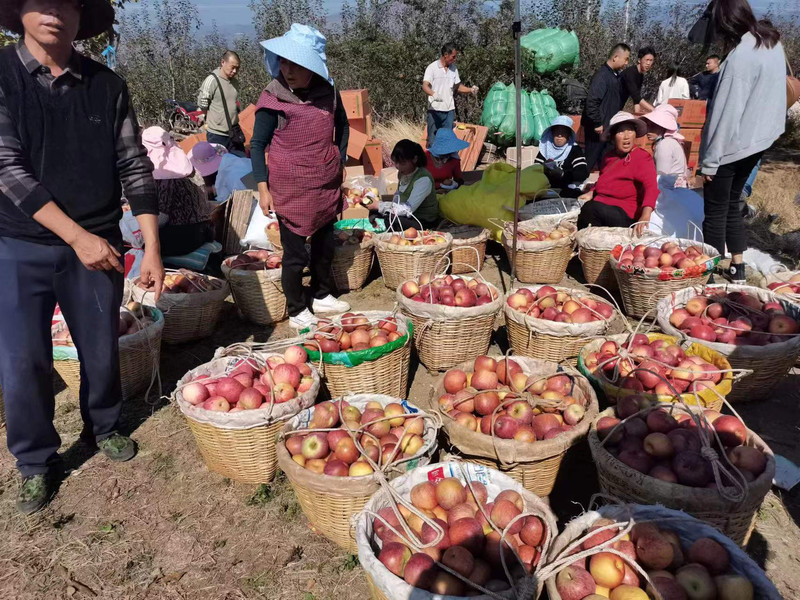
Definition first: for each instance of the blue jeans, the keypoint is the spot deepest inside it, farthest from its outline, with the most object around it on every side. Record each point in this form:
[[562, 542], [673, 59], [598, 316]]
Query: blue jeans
[[439, 119], [751, 179], [34, 277]]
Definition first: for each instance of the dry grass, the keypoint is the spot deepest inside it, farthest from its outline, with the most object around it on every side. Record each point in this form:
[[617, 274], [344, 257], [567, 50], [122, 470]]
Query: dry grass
[[777, 189], [392, 131]]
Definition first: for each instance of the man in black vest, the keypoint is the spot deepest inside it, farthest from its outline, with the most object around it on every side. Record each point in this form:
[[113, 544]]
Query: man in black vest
[[69, 143]]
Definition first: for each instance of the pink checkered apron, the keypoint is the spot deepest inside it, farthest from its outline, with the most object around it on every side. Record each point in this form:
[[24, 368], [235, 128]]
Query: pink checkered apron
[[305, 170]]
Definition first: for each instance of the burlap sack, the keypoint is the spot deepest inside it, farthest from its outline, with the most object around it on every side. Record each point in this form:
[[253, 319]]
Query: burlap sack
[[220, 366]]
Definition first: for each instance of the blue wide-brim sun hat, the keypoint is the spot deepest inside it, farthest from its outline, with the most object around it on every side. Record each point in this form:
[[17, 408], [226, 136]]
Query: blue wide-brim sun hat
[[564, 121], [303, 45], [446, 142]]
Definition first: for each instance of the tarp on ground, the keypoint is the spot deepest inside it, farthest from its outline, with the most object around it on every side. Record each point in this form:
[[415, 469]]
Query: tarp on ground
[[492, 197], [547, 50]]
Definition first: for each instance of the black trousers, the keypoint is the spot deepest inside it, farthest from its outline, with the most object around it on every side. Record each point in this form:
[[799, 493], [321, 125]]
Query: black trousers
[[602, 215], [177, 240], [35, 277], [723, 223], [296, 259], [595, 148]]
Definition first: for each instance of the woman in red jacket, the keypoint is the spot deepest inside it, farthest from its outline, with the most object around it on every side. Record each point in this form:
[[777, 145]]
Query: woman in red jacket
[[627, 189]]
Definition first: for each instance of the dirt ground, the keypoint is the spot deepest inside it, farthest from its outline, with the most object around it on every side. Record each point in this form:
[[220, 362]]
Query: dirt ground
[[163, 527]]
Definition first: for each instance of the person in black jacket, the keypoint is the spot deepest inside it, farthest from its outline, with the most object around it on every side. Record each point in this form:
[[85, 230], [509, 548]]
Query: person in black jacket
[[633, 78], [603, 102], [703, 84], [563, 160]]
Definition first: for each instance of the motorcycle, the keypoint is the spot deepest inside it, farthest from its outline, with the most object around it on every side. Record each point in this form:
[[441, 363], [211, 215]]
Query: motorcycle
[[184, 117]]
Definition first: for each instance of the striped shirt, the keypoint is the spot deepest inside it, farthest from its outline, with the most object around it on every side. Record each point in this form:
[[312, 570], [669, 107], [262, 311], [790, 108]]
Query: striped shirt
[[17, 181]]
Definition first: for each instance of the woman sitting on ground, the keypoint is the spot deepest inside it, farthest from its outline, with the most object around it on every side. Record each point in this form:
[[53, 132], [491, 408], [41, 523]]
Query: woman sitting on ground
[[415, 201], [627, 189], [563, 160], [444, 163], [668, 152]]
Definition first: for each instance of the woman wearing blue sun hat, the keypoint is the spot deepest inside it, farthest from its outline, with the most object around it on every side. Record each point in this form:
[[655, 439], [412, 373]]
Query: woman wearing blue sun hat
[[444, 163], [300, 118]]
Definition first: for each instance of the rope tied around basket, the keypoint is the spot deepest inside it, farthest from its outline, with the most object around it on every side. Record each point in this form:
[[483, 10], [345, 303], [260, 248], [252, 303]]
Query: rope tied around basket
[[528, 586]]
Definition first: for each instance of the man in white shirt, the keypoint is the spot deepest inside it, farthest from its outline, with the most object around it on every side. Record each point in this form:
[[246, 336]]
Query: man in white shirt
[[439, 83]]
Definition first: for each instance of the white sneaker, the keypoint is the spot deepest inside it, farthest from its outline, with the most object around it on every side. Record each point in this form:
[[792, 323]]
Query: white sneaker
[[329, 304], [303, 320]]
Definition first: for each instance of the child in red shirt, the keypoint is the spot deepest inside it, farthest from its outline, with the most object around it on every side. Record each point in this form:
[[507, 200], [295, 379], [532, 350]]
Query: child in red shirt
[[627, 189], [443, 161]]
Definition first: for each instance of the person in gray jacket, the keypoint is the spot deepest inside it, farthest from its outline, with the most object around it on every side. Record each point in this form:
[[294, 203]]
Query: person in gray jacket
[[745, 117]]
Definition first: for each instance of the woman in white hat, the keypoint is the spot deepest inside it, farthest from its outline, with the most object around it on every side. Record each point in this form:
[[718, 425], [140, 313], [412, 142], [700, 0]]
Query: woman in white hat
[[562, 158], [668, 152], [627, 189], [300, 117]]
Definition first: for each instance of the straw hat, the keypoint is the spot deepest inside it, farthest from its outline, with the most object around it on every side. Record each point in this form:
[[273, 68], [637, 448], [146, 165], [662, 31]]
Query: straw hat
[[666, 116], [97, 16], [624, 117], [303, 45]]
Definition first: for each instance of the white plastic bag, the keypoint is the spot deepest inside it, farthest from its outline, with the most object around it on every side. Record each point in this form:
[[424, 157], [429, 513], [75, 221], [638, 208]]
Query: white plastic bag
[[256, 234]]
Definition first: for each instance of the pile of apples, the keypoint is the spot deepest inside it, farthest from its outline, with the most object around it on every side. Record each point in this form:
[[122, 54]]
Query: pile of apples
[[186, 282], [552, 305], [249, 386], [386, 433], [668, 257], [734, 318], [361, 196], [472, 400], [256, 260], [790, 286], [470, 545], [353, 332], [449, 291], [414, 237], [538, 235], [678, 571], [668, 447], [653, 363], [352, 237]]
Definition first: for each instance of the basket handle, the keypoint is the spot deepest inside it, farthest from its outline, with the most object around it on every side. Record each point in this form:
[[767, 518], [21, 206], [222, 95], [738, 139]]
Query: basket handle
[[394, 218], [691, 224]]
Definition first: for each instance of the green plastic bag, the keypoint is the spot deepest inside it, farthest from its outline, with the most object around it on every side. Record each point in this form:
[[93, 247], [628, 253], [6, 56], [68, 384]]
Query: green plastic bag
[[364, 224], [544, 111], [487, 202], [508, 128], [356, 357], [547, 50], [494, 107]]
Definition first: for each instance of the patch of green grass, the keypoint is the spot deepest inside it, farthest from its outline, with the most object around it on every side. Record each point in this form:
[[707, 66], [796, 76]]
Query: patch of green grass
[[263, 582], [308, 596], [349, 563], [262, 496]]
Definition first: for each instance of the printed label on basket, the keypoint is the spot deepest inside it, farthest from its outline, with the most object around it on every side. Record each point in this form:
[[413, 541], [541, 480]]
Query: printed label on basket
[[303, 418], [472, 471]]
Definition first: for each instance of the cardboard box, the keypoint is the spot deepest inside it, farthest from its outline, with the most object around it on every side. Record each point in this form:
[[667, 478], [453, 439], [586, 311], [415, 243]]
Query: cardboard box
[[355, 212], [191, 141], [274, 237], [356, 103], [529, 154], [691, 113], [372, 157], [356, 144], [362, 125]]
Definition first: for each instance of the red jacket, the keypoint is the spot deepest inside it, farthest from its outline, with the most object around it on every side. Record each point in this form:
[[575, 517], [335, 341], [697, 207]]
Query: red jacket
[[449, 170], [629, 182]]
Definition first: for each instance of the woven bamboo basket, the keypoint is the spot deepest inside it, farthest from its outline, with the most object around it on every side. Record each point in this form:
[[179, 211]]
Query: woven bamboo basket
[[383, 585], [399, 263], [642, 288], [556, 342], [469, 248], [686, 527], [347, 373], [240, 446], [541, 262], [258, 294], [330, 502], [139, 356], [769, 364], [534, 465], [351, 266], [187, 317], [446, 335], [736, 520], [610, 391], [594, 250]]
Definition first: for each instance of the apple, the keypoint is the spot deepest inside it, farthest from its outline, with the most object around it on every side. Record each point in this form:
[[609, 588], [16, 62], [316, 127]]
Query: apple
[[467, 533], [711, 554], [692, 469], [696, 582], [315, 445], [654, 551], [607, 569], [628, 592], [395, 557], [733, 587], [748, 458], [731, 431]]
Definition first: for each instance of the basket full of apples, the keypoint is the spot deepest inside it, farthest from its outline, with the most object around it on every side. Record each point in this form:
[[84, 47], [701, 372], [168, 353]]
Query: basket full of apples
[[237, 403], [700, 461], [594, 250], [784, 281], [191, 303], [454, 529], [658, 367], [352, 258], [648, 271], [552, 323], [363, 352], [336, 454], [544, 248], [520, 415], [636, 552], [408, 254], [140, 329], [469, 247], [255, 280], [453, 316], [755, 329]]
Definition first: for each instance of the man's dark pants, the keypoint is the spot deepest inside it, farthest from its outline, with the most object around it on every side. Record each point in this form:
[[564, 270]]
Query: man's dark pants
[[439, 119], [33, 278], [595, 148]]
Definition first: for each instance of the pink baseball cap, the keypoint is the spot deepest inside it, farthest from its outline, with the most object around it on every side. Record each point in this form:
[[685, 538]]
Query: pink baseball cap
[[207, 157], [169, 161]]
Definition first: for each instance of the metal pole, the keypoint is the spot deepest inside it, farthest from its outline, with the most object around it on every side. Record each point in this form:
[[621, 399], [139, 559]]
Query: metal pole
[[517, 31]]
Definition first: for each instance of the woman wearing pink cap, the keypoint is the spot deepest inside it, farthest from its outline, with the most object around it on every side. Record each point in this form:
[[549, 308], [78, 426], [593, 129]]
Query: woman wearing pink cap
[[668, 152]]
